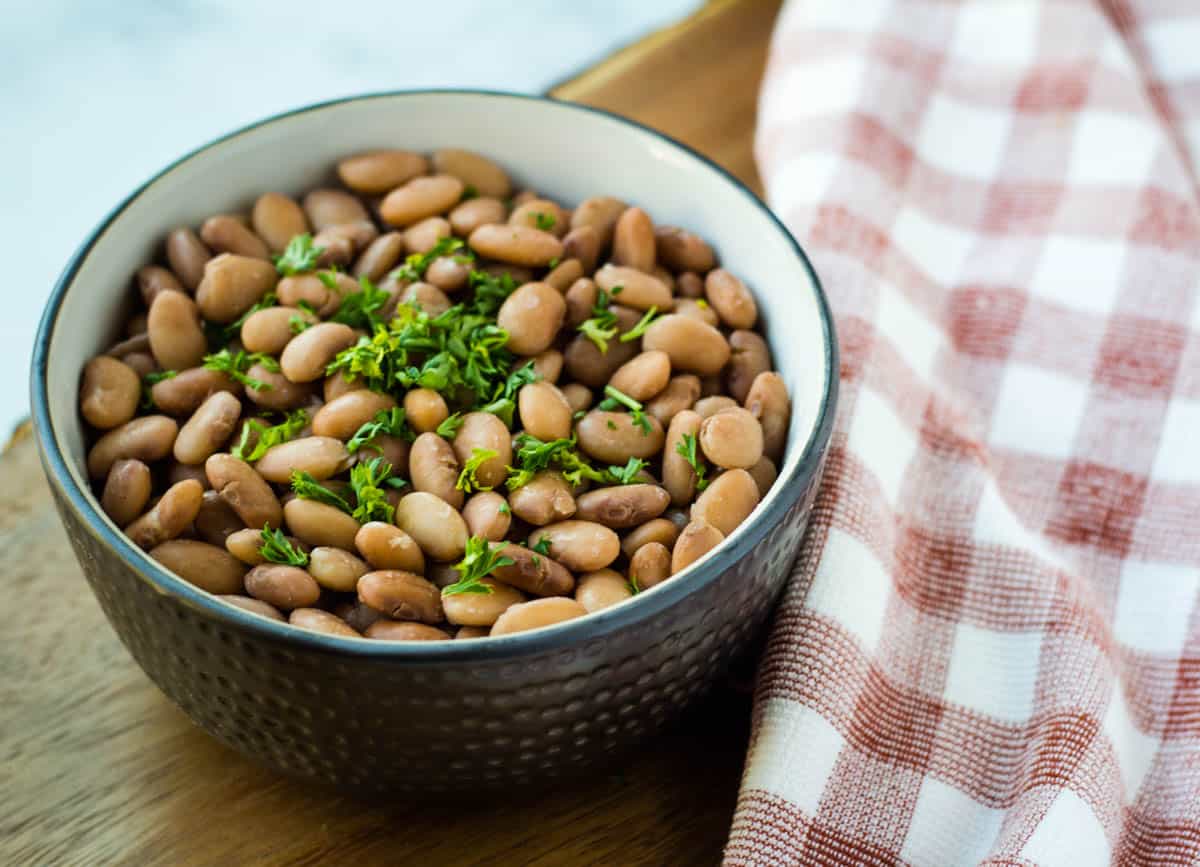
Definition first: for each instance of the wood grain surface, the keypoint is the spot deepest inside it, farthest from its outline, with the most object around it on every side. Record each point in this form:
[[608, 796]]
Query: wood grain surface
[[97, 767]]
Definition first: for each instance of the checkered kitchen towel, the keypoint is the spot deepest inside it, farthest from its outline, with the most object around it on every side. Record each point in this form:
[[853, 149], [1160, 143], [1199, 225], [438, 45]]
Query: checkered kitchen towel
[[990, 651]]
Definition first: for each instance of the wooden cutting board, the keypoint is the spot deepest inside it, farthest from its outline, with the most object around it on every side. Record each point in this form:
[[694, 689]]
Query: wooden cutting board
[[97, 767]]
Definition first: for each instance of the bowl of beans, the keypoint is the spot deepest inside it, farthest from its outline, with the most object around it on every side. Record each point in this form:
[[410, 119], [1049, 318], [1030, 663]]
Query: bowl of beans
[[434, 441]]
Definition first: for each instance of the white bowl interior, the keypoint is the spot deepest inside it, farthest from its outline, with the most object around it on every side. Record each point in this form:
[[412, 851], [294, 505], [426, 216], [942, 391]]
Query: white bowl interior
[[564, 151]]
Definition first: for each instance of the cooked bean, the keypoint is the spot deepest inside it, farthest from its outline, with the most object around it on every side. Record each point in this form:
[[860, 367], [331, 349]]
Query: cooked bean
[[643, 376], [764, 475], [541, 214], [534, 573], [697, 308], [387, 547], [518, 245], [480, 609], [285, 587], [728, 501], [613, 438], [544, 411], [207, 566], [581, 546], [325, 208], [532, 316], [216, 521], [545, 499], [623, 506], [564, 275], [277, 392], [254, 606], [473, 213], [661, 530], [601, 589], [208, 429], [710, 406], [152, 279], [176, 336], [392, 630], [425, 409], [401, 595], [187, 256], [142, 363], [749, 356], [579, 396], [380, 256], [485, 432], [309, 289], [519, 273], [638, 290], [307, 355], [681, 250], [269, 330], [335, 569], [137, 343], [695, 540], [318, 620], [710, 386], [319, 456], [421, 197], [147, 439], [422, 236], [169, 517], [434, 525], [472, 632], [488, 516], [649, 565], [633, 240], [232, 284], [582, 244], [768, 402], [226, 234], [680, 394], [177, 472], [139, 324], [601, 214], [677, 474], [277, 218], [537, 614], [377, 172], [731, 299], [581, 297], [126, 490], [343, 416], [442, 574], [693, 346], [110, 392], [427, 297], [344, 241], [244, 490], [447, 273], [434, 469], [473, 170], [587, 363], [548, 364], [731, 438], [690, 285], [320, 524]]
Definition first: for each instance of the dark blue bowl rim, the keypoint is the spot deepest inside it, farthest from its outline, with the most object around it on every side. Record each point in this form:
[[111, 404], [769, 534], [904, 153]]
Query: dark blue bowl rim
[[520, 644]]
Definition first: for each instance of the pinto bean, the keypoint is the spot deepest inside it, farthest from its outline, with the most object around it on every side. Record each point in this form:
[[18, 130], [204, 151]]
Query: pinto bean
[[545, 499], [473, 170], [126, 490], [661, 530], [749, 356], [401, 595], [142, 363], [344, 415], [434, 525], [147, 439], [422, 236], [434, 469], [344, 241], [581, 546], [269, 330], [537, 614], [380, 256], [731, 299], [728, 501], [601, 589], [579, 396], [581, 297], [377, 172], [481, 609], [169, 517], [677, 474], [695, 540], [277, 218], [307, 355], [613, 438], [623, 506], [173, 326], [207, 566], [697, 308], [216, 521], [319, 456], [246, 545], [638, 290], [633, 240], [649, 565], [425, 409], [532, 316], [387, 547], [488, 516], [690, 285], [582, 244], [601, 214], [644, 376], [208, 429], [517, 245], [680, 394], [768, 402], [473, 213], [681, 250], [278, 392], [110, 392], [285, 587], [325, 208], [393, 630], [421, 197], [564, 275], [710, 406], [232, 284], [152, 279], [694, 346], [320, 524], [187, 257], [534, 573], [226, 234], [764, 475], [544, 411], [319, 620], [541, 214], [732, 438], [254, 606], [246, 492], [311, 289]]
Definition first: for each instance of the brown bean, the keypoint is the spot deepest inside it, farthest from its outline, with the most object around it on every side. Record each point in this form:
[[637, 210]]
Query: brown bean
[[633, 240], [695, 540], [110, 392], [401, 595], [768, 402], [677, 474], [433, 468], [343, 416], [564, 275], [226, 234], [207, 566], [613, 438], [661, 530], [732, 438], [335, 569], [731, 299], [388, 547], [485, 432], [749, 356], [545, 499], [681, 250], [519, 273], [601, 214], [318, 620], [152, 279], [320, 524], [216, 521], [177, 472], [581, 546], [344, 241], [680, 394], [534, 573], [319, 456], [137, 343], [392, 630], [537, 614], [644, 376], [285, 587], [147, 439], [694, 346], [233, 284], [254, 606], [142, 363], [325, 208], [244, 490], [544, 411], [649, 565], [601, 589], [473, 213], [421, 197], [541, 214], [307, 354], [269, 330], [246, 546], [634, 288], [481, 609], [690, 285], [380, 256], [583, 245], [585, 361], [581, 297], [447, 273], [442, 574], [176, 337], [473, 170], [310, 289], [376, 172], [208, 429], [278, 392], [764, 475], [187, 256], [532, 316], [422, 236], [277, 218], [169, 517], [710, 406], [578, 395], [126, 491], [434, 525], [425, 409], [517, 245], [488, 516], [728, 501], [710, 386], [427, 297], [472, 632], [547, 364], [623, 506], [697, 308]]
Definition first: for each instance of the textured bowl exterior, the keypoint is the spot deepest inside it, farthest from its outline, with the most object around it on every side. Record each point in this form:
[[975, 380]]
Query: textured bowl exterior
[[379, 725]]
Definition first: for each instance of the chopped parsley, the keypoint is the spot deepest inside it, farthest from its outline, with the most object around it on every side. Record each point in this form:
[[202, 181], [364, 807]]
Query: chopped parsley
[[387, 422], [545, 222], [616, 398], [368, 482], [479, 561], [277, 548], [358, 309], [640, 329], [300, 256], [628, 474], [470, 191], [235, 365], [505, 400], [532, 456], [152, 379], [268, 436], [414, 266], [490, 290], [449, 427], [687, 448], [467, 479], [308, 488], [602, 326], [541, 546], [503, 508]]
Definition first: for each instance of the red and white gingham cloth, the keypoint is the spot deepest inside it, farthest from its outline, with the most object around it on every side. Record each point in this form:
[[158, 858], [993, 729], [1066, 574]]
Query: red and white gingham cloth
[[990, 650]]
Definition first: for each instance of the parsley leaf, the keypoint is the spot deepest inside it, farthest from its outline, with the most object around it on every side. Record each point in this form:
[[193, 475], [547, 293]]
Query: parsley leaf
[[470, 191], [267, 436], [602, 326], [310, 489], [541, 546], [415, 265], [490, 291], [628, 474], [387, 422], [532, 456], [153, 378], [449, 427], [504, 509], [479, 561], [640, 329], [277, 548], [358, 308], [467, 480], [687, 448], [368, 481], [235, 365], [505, 401], [617, 398], [300, 256], [545, 222]]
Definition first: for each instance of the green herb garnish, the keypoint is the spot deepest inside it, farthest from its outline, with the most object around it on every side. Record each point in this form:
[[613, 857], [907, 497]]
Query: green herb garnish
[[687, 448], [616, 398], [268, 436], [300, 256], [151, 379], [414, 266], [305, 486], [479, 562], [628, 474], [470, 191], [541, 546], [602, 326], [368, 482], [449, 427], [545, 222], [490, 291], [505, 400], [503, 508], [640, 329], [532, 456], [387, 422], [358, 308], [467, 479], [235, 365], [277, 548]]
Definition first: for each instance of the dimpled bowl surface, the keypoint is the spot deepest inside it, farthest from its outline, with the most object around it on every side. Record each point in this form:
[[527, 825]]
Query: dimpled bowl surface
[[459, 715]]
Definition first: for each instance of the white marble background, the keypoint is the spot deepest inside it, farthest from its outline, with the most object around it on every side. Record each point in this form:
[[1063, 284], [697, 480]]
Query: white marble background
[[97, 95]]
